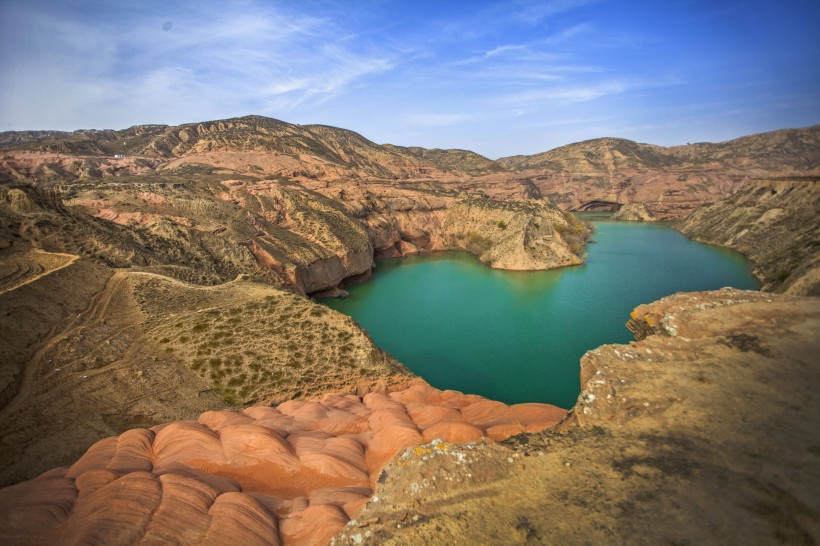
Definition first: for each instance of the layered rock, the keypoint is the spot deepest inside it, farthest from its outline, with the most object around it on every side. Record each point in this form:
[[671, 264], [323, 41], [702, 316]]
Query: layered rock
[[775, 224], [522, 236], [633, 212], [291, 474], [672, 181]]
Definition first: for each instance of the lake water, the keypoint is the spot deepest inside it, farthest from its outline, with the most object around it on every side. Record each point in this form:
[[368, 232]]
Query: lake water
[[519, 336]]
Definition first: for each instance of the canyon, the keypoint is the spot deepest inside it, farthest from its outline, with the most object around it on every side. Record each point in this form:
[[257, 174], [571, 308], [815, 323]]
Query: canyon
[[152, 295]]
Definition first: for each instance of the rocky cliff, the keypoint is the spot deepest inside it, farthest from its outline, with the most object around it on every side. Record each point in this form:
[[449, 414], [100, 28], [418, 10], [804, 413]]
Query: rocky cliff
[[93, 351], [633, 212], [303, 207], [155, 275], [672, 181], [774, 222], [149, 288], [600, 173]]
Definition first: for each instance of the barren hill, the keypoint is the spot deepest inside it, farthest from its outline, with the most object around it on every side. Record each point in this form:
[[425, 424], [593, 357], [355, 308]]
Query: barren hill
[[605, 173]]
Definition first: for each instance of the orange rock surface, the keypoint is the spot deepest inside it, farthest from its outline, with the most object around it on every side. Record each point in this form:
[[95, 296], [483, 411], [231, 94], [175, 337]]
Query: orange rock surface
[[291, 474]]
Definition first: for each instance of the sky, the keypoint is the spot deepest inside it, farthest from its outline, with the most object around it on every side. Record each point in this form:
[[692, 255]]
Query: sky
[[496, 77]]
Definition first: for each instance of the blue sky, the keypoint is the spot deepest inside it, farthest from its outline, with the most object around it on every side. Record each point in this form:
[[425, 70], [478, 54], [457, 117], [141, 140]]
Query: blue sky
[[499, 78]]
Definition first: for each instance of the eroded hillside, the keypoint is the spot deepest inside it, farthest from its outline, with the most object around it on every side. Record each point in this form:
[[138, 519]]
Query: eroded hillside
[[775, 223], [152, 297], [592, 175]]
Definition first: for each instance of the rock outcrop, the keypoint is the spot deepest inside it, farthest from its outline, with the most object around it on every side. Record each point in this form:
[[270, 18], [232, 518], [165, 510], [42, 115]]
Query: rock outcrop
[[775, 224], [292, 474], [702, 430], [633, 212]]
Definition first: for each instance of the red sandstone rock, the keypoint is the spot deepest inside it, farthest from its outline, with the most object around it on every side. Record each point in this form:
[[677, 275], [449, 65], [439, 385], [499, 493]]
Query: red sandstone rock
[[452, 431], [294, 474]]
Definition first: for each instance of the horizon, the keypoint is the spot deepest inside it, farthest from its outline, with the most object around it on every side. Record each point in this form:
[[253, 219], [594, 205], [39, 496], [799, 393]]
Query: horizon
[[497, 78], [412, 145]]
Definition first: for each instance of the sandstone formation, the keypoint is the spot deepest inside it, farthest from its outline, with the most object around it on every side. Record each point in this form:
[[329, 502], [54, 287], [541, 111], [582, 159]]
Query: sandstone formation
[[291, 474], [633, 212], [775, 224], [601, 173], [98, 228], [702, 432]]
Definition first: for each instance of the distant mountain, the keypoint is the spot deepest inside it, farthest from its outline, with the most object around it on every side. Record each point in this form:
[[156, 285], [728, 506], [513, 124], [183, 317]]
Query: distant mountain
[[602, 173], [313, 145], [452, 160], [787, 148], [606, 173]]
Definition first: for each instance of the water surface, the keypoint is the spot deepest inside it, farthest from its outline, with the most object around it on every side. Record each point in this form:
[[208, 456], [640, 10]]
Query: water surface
[[519, 336]]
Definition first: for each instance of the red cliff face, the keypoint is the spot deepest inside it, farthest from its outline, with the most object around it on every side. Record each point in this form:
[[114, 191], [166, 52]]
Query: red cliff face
[[291, 474]]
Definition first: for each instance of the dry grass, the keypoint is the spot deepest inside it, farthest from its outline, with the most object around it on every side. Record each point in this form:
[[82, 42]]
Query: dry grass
[[265, 345]]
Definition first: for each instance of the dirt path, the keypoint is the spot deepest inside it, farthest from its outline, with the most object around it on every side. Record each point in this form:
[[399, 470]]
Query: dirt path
[[89, 373], [24, 268]]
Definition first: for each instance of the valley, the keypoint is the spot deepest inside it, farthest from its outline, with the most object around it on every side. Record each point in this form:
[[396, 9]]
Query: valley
[[165, 278]]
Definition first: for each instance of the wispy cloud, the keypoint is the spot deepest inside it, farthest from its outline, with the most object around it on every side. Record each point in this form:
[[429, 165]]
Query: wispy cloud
[[570, 94], [230, 58], [534, 12], [495, 77]]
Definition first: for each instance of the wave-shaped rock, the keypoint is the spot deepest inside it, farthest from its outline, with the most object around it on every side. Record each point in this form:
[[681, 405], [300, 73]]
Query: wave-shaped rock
[[291, 474]]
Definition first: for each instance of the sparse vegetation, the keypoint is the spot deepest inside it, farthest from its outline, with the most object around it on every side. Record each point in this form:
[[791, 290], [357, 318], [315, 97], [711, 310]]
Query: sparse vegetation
[[263, 349]]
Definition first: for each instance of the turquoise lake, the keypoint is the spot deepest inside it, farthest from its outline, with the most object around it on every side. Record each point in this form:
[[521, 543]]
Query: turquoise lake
[[519, 336]]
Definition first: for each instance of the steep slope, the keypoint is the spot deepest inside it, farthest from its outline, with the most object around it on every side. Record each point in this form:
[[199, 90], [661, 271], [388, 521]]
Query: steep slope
[[458, 161], [144, 298], [253, 143], [600, 173], [603, 155], [775, 224], [633, 212], [93, 351], [786, 149]]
